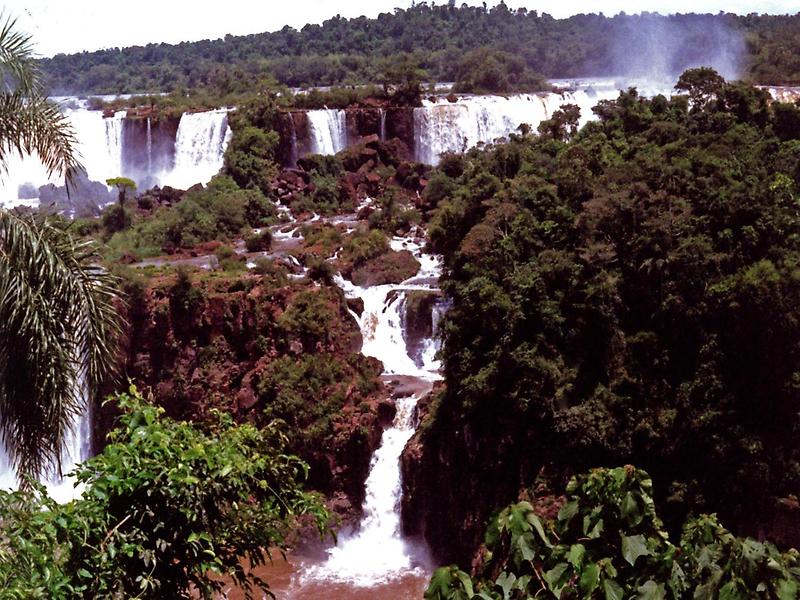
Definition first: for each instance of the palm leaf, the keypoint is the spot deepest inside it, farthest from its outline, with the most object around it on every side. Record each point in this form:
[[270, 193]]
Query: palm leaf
[[59, 326]]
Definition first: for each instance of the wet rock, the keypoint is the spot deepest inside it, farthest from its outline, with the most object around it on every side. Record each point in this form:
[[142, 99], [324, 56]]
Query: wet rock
[[386, 412], [356, 305], [418, 321]]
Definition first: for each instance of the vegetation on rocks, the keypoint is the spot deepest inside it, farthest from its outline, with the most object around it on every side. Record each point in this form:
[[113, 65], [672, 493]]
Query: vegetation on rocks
[[637, 290]]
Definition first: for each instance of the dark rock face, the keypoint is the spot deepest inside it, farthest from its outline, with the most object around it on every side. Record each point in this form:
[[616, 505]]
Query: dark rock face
[[85, 198], [362, 122], [418, 321], [148, 147], [457, 473], [400, 125]]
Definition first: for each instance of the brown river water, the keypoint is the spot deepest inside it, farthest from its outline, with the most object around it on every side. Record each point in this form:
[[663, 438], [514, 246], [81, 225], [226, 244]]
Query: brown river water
[[284, 580]]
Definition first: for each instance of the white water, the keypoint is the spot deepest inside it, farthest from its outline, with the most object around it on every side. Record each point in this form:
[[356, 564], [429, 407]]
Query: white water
[[199, 148], [328, 131], [99, 145], [377, 552], [77, 448], [444, 126]]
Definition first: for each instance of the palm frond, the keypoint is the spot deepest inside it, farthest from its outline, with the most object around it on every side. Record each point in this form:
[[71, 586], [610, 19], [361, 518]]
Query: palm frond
[[36, 125], [18, 67], [59, 327]]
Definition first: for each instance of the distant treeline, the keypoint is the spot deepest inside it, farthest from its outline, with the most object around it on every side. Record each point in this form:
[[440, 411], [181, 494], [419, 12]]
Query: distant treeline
[[762, 49]]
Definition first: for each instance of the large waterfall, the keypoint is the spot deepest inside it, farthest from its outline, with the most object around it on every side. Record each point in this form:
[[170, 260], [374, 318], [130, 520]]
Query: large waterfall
[[114, 146], [377, 553], [328, 131], [199, 148], [442, 126]]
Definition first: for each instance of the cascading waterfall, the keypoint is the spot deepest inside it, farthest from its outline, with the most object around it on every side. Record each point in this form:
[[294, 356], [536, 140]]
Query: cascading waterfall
[[149, 146], [77, 448], [199, 148], [383, 124], [328, 131], [445, 126], [377, 552]]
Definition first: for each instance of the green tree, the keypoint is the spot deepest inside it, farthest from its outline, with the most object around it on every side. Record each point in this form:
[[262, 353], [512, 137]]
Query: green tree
[[170, 510], [123, 185], [608, 542]]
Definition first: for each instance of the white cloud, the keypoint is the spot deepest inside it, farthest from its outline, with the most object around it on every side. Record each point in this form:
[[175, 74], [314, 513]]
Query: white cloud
[[61, 26]]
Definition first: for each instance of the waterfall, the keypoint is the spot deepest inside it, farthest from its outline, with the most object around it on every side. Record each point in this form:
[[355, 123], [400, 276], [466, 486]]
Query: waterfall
[[328, 131], [383, 124], [149, 147], [76, 449], [293, 148], [199, 148], [444, 126], [377, 553]]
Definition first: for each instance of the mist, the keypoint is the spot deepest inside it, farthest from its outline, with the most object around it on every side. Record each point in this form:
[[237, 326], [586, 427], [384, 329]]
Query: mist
[[659, 48]]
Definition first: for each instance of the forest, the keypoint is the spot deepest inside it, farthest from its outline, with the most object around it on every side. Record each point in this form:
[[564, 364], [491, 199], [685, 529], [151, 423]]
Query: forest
[[611, 314], [434, 38]]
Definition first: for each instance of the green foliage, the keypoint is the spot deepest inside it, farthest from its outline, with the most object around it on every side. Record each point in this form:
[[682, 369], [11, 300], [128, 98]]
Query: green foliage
[[423, 43], [220, 211], [638, 293], [309, 317], [258, 242], [250, 158], [168, 510], [489, 71], [608, 543], [363, 246]]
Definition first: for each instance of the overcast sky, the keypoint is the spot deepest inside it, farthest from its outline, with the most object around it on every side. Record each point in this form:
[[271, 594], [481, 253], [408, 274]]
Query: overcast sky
[[72, 26]]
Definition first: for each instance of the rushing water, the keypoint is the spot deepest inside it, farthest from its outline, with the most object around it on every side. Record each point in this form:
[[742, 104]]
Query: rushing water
[[199, 147], [375, 561], [328, 131], [76, 449]]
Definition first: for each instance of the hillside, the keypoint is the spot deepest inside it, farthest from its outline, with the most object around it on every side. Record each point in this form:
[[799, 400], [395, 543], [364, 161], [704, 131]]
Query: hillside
[[764, 49]]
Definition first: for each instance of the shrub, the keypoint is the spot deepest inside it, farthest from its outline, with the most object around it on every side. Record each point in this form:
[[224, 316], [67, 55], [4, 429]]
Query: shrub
[[608, 542], [258, 242], [167, 511]]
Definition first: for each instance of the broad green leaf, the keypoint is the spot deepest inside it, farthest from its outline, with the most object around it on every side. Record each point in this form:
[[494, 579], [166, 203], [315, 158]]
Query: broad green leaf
[[590, 578], [631, 511], [612, 590], [575, 555], [537, 525], [569, 510], [466, 583], [505, 582], [553, 577], [787, 590], [731, 591], [633, 547]]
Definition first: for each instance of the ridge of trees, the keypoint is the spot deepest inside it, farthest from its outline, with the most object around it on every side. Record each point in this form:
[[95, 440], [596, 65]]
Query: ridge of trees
[[435, 37]]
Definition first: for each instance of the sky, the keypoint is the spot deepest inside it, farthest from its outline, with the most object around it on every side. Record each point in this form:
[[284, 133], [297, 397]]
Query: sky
[[76, 25]]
